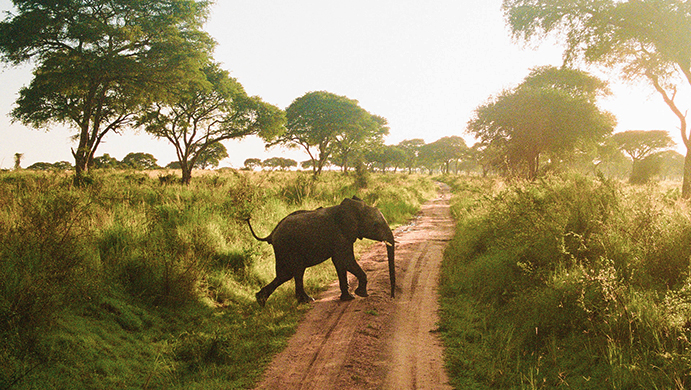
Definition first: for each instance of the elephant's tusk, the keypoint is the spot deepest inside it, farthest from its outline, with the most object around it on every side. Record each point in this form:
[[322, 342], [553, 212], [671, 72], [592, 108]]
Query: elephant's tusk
[[388, 243]]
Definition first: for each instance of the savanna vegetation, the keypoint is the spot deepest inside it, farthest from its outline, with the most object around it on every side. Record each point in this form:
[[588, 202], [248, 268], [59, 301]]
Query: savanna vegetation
[[137, 281], [126, 279], [568, 281]]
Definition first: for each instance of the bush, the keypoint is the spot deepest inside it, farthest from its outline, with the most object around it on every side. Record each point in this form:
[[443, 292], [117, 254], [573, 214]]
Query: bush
[[296, 191], [588, 279], [44, 258]]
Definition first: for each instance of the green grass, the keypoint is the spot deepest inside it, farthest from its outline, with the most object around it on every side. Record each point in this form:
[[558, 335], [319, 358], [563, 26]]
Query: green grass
[[134, 282], [568, 282]]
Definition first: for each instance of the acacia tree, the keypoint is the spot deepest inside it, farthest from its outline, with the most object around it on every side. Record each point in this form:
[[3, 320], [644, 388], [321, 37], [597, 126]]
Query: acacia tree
[[320, 122], [640, 144], [349, 145], [281, 163], [140, 161], [394, 156], [411, 149], [97, 62], [450, 149], [550, 113], [643, 39], [251, 163], [211, 156], [385, 156], [442, 152], [196, 116], [106, 161]]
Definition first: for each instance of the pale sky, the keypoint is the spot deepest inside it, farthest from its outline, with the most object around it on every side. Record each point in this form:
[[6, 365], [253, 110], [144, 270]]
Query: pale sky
[[424, 66]]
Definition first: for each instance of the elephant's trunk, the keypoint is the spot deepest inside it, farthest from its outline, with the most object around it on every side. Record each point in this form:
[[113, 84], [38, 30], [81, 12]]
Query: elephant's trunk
[[390, 248], [392, 268]]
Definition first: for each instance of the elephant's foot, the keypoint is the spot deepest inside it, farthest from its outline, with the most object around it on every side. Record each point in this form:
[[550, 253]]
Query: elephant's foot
[[361, 291], [346, 296], [305, 299], [261, 298]]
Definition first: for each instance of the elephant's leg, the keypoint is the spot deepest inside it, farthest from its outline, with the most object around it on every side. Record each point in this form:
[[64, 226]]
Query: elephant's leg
[[282, 276], [300, 293], [340, 262], [355, 269]]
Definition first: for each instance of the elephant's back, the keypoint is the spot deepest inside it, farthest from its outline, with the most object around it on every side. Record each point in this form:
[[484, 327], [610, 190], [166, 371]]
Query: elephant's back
[[310, 233], [306, 225]]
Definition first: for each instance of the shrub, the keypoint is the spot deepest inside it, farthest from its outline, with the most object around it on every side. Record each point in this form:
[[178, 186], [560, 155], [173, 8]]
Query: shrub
[[243, 197], [297, 190], [44, 258], [361, 176], [589, 279]]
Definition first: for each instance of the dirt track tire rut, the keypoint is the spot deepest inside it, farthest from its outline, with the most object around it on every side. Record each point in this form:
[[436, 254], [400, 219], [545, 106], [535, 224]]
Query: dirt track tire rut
[[376, 342]]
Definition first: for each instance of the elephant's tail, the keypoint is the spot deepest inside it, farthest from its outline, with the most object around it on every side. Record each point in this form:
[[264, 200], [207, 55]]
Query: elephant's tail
[[265, 239]]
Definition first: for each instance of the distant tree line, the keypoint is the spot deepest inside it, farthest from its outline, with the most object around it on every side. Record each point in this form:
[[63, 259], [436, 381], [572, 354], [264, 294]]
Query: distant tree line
[[137, 161], [448, 155], [550, 121], [103, 68]]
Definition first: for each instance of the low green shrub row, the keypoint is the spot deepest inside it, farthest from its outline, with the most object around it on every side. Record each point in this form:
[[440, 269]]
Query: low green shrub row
[[568, 282]]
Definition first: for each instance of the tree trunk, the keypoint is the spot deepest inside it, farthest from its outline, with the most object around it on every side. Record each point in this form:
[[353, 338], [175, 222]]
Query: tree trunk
[[81, 165], [686, 184], [669, 100], [318, 169], [186, 176], [186, 168]]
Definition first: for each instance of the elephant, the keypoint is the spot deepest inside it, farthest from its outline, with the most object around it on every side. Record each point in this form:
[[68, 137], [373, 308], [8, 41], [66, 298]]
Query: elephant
[[307, 238]]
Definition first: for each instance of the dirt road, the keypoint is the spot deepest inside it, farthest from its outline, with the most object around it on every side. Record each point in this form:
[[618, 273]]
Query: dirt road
[[376, 342]]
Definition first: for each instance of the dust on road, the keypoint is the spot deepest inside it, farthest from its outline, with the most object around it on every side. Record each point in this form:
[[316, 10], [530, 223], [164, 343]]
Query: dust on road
[[376, 342]]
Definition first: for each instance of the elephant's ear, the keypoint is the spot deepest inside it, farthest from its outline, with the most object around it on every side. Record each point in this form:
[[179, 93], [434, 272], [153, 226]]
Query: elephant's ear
[[348, 218]]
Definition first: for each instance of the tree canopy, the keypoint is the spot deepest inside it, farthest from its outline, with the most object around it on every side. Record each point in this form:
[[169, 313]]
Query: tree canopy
[[443, 152], [411, 149], [280, 163], [96, 63], [641, 146], [385, 156], [45, 166], [106, 161], [251, 163], [643, 39], [322, 122], [550, 113], [200, 114], [211, 156], [140, 161], [350, 145]]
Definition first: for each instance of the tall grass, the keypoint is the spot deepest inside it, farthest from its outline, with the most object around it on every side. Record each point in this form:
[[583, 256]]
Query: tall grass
[[134, 281], [570, 282]]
